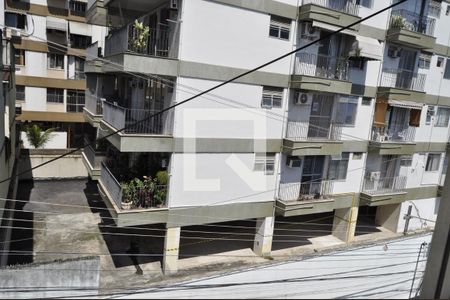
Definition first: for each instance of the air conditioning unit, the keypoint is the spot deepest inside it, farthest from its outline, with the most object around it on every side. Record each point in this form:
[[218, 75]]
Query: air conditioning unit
[[294, 162], [309, 32], [174, 4], [394, 52], [301, 99], [8, 33], [15, 32], [375, 176]]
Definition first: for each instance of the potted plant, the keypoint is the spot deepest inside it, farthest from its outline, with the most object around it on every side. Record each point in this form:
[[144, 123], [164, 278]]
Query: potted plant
[[397, 22], [128, 191], [139, 38]]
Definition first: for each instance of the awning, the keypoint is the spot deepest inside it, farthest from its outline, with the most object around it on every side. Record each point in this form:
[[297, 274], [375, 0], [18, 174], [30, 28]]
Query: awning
[[333, 28], [57, 24], [405, 104], [79, 28], [370, 48]]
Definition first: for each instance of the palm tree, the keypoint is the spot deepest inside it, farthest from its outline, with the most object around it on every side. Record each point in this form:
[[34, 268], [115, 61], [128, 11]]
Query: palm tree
[[36, 137]]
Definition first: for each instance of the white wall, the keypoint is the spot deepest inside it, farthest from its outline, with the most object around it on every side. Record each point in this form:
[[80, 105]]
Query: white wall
[[430, 133], [380, 21], [417, 175], [58, 140], [424, 208], [35, 99], [355, 175], [225, 35], [207, 179]]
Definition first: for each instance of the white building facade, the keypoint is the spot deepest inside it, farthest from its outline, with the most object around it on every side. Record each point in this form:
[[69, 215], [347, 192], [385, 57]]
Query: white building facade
[[355, 123]]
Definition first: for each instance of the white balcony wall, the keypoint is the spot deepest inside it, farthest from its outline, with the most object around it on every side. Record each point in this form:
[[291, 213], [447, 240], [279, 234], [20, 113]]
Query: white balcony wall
[[218, 34], [58, 140], [379, 21], [35, 99], [362, 128], [226, 119], [216, 179], [355, 175], [436, 84], [442, 25], [430, 133], [368, 76]]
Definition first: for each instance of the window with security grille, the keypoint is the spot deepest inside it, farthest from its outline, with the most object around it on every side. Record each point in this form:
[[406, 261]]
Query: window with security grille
[[272, 97], [55, 61], [337, 169], [265, 162], [77, 8], [280, 27], [75, 101], [55, 95]]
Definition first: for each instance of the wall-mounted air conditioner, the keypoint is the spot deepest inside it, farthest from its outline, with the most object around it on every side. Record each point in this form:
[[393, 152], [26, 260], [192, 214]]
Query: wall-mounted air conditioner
[[309, 32], [293, 162], [394, 52]]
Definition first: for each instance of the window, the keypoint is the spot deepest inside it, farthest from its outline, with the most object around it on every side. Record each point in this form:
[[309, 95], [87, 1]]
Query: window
[[434, 9], [447, 70], [448, 10], [366, 101], [20, 92], [19, 57], [433, 162], [75, 101], [280, 27], [430, 114], [55, 95], [265, 162], [357, 156], [79, 68], [424, 61], [440, 62], [80, 41], [346, 111], [365, 3], [443, 116], [356, 63], [406, 161], [15, 20], [55, 61], [338, 167], [77, 8], [272, 97]]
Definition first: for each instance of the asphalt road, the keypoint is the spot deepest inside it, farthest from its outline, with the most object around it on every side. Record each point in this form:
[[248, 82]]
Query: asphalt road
[[383, 270]]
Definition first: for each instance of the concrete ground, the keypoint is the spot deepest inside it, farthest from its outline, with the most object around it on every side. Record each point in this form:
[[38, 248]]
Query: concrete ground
[[77, 223]]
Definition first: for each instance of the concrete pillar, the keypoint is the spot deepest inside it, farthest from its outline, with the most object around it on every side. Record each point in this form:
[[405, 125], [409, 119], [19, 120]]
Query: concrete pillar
[[171, 250], [344, 223], [264, 236], [388, 216]]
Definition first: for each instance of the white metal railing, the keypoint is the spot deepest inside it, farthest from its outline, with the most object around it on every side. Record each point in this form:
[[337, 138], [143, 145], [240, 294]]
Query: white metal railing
[[385, 134], [388, 185], [112, 185], [303, 131], [323, 66], [346, 6], [298, 191], [137, 121], [403, 79]]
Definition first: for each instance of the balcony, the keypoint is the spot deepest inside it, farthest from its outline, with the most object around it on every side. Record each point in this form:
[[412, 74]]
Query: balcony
[[321, 73], [411, 29], [143, 205], [335, 12], [382, 191], [304, 198], [122, 41], [402, 85], [397, 134], [92, 160], [96, 12]]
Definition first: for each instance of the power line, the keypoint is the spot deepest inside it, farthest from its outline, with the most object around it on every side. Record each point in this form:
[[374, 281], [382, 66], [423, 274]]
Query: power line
[[326, 36]]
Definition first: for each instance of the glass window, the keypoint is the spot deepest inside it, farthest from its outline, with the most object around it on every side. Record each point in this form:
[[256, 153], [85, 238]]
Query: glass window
[[15, 20], [55, 61], [55, 95], [280, 27], [19, 57], [75, 101], [20, 92], [80, 41], [265, 162], [447, 70], [443, 116], [433, 162], [406, 161], [357, 156], [346, 110], [366, 101], [272, 97], [365, 3], [424, 61], [434, 9], [338, 167], [440, 62]]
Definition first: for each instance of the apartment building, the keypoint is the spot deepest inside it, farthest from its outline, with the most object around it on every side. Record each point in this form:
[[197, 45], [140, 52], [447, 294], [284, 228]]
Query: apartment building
[[50, 39], [355, 124], [9, 142]]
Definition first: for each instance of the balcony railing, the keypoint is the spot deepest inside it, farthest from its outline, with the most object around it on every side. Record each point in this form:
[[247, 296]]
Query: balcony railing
[[147, 122], [94, 158], [386, 185], [94, 105], [305, 131], [297, 191], [402, 79], [323, 66], [140, 200], [157, 44], [404, 19], [345, 6], [386, 134]]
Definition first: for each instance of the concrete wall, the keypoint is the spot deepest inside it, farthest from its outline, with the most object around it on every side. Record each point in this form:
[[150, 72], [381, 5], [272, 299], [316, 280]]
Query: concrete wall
[[56, 279], [58, 140], [424, 208], [70, 166]]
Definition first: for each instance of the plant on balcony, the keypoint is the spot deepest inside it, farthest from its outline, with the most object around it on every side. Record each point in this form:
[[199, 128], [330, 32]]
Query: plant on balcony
[[161, 180], [128, 194], [398, 22], [36, 137], [139, 39]]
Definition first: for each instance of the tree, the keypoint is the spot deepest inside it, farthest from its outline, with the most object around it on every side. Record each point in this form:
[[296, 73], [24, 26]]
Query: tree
[[36, 137]]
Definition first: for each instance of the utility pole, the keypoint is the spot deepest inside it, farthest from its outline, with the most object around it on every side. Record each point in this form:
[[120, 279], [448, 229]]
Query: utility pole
[[407, 217]]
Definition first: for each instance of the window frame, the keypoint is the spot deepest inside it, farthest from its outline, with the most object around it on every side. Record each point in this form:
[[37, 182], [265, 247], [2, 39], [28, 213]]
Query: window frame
[[19, 54], [279, 24], [20, 93], [264, 162], [446, 74], [339, 167], [351, 105], [16, 22], [439, 117], [79, 103], [274, 95], [434, 164], [425, 61], [57, 98], [53, 57]]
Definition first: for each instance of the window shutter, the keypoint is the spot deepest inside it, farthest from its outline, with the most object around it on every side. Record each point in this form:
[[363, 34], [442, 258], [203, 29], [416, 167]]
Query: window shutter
[[380, 114], [414, 117]]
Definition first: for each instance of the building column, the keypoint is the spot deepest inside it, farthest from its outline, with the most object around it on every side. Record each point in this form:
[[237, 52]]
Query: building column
[[171, 250], [264, 236], [344, 223]]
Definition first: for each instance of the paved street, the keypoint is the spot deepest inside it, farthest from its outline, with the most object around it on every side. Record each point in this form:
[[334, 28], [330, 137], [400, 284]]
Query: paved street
[[383, 270]]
